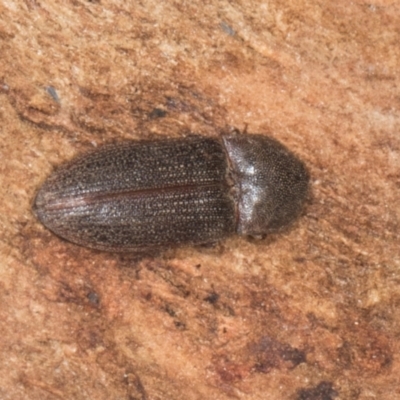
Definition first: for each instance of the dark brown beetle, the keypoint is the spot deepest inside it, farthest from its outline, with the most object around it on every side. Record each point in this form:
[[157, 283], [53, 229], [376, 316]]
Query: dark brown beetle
[[195, 190]]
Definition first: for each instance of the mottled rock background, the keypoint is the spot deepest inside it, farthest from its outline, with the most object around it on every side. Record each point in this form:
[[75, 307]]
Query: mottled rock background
[[309, 314]]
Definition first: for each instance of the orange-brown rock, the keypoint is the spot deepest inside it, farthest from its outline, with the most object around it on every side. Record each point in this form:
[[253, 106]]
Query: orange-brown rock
[[308, 314]]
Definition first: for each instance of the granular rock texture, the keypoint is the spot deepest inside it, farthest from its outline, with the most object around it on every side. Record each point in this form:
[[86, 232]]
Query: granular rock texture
[[310, 313]]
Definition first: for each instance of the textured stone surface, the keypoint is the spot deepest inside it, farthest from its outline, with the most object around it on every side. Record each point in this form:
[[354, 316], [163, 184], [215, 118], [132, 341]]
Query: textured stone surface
[[311, 313]]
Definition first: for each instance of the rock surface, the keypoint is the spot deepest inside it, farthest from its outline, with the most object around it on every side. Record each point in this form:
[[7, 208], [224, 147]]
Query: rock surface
[[309, 314]]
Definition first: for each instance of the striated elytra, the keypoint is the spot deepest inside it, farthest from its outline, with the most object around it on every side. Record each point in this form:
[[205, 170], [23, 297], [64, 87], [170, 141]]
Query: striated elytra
[[154, 194]]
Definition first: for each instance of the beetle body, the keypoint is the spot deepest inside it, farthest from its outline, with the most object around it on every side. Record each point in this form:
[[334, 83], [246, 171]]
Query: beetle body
[[195, 190]]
